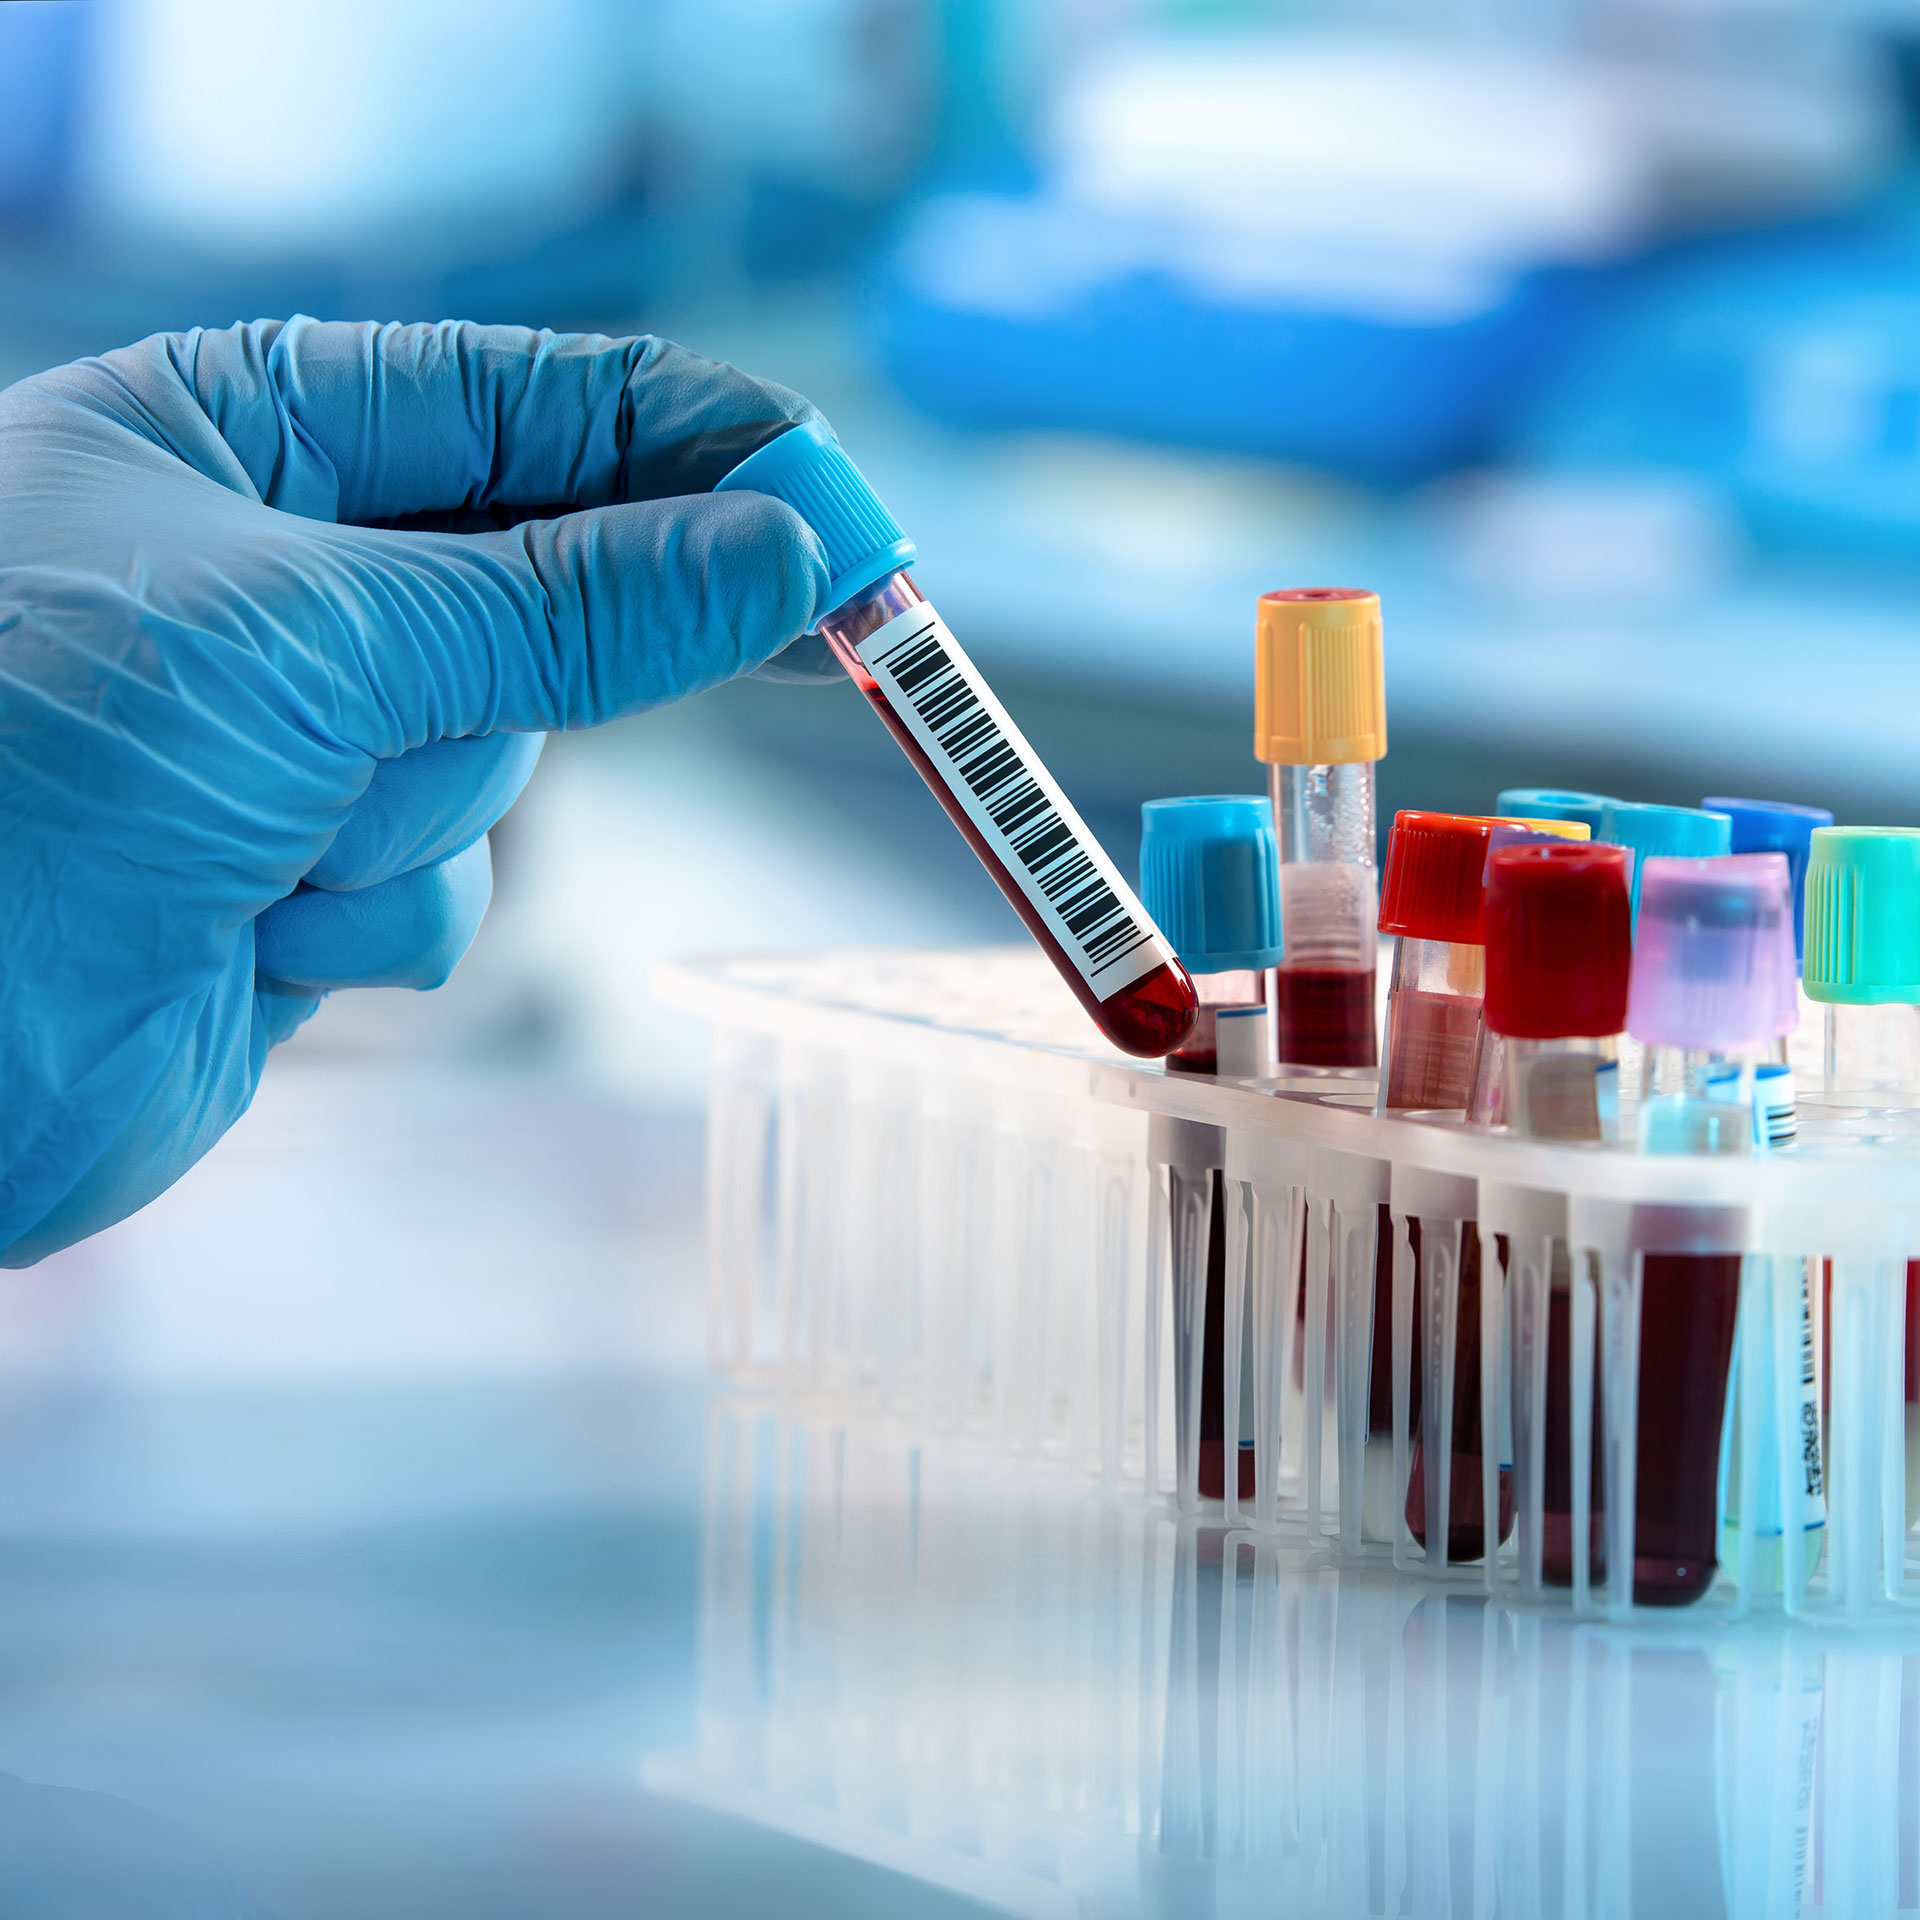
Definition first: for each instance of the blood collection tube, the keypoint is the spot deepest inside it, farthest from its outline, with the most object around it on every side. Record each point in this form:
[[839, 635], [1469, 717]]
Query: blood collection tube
[[1666, 832], [1712, 989], [1487, 1084], [1208, 876], [1776, 826], [1559, 948], [1861, 966], [1430, 902], [1320, 723], [1862, 963], [946, 720], [1536, 804], [1559, 954]]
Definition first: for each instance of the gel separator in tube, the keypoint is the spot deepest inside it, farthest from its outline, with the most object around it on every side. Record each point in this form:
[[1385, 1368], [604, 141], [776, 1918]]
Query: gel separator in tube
[[1320, 723], [944, 716]]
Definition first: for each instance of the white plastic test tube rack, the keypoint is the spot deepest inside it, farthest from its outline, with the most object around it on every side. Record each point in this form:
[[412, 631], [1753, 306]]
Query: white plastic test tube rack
[[934, 1194], [1063, 1701]]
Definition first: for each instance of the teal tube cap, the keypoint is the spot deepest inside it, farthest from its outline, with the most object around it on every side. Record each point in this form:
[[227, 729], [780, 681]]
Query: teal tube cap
[[1210, 878], [1673, 833], [809, 469], [1553, 803], [1863, 916]]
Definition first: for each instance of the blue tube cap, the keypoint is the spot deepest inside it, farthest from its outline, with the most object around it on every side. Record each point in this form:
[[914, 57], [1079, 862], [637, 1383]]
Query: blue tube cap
[[809, 469], [1684, 833], [1777, 826], [1553, 803], [1210, 877]]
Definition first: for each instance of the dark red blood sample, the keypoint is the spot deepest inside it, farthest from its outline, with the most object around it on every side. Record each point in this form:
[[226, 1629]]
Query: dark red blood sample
[[1688, 1306], [1324, 1018], [1150, 1016], [1913, 1332], [1380, 1360], [1430, 1042], [1466, 1515], [1213, 1368]]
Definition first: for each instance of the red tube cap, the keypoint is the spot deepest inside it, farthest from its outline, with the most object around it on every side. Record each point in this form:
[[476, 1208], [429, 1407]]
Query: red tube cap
[[1432, 886], [1559, 936]]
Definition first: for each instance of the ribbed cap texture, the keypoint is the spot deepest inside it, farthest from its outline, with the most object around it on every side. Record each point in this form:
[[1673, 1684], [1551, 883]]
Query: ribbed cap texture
[[809, 469], [1210, 878], [1863, 915], [1320, 696], [1431, 888], [1713, 964], [1559, 941]]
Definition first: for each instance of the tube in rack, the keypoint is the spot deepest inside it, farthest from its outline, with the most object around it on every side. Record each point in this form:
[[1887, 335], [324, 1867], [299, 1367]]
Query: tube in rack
[[1651, 831], [1487, 1083], [943, 715], [1713, 988], [1559, 950], [1862, 963], [1776, 826], [1535, 804], [1320, 724], [1208, 876], [1559, 954]]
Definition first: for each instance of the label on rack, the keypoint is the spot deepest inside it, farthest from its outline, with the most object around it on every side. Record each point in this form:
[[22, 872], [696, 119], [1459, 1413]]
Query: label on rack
[[1012, 799]]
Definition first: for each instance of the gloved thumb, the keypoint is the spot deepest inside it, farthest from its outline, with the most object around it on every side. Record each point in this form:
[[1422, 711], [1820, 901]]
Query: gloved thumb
[[558, 623]]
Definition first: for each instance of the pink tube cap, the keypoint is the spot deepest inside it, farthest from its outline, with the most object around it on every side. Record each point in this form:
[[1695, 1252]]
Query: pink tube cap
[[1713, 965]]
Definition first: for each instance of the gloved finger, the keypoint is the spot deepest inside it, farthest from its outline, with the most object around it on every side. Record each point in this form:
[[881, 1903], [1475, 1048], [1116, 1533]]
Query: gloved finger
[[427, 805], [359, 423], [809, 662], [554, 624], [409, 931]]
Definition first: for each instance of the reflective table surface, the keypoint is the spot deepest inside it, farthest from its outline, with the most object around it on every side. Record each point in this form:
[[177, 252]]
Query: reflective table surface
[[372, 1544]]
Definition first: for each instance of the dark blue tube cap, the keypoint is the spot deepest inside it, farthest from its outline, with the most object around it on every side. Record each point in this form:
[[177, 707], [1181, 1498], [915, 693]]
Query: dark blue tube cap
[[1210, 876], [809, 469], [1777, 826]]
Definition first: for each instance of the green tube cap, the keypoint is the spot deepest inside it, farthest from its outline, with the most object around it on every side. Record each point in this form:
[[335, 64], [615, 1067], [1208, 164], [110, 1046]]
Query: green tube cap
[[1863, 916]]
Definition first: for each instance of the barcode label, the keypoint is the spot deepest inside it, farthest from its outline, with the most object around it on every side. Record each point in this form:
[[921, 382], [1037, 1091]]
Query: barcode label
[[951, 712]]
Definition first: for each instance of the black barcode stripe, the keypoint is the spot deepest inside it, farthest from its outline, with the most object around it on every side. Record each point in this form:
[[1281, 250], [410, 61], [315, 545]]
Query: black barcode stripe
[[999, 778]]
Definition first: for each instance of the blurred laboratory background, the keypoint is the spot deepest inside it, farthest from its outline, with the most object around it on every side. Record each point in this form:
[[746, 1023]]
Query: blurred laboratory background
[[350, 1499]]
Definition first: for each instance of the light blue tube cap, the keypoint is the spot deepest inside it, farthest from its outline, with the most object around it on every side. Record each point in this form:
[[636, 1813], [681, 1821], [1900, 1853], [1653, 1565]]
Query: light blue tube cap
[[1680, 833], [1210, 878], [809, 469], [1777, 826], [1553, 803]]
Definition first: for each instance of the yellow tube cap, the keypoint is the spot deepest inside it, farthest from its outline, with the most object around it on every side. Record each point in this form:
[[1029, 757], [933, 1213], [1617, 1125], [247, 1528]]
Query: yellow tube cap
[[1560, 829], [1320, 696]]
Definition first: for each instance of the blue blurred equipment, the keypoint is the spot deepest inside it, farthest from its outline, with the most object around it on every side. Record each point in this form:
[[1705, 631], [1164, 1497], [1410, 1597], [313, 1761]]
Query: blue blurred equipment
[[262, 692]]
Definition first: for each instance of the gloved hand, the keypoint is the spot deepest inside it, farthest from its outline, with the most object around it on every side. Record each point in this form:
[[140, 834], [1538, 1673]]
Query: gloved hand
[[255, 721]]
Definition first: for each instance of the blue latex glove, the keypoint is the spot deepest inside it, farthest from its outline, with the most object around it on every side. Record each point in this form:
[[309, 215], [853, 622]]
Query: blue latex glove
[[255, 721]]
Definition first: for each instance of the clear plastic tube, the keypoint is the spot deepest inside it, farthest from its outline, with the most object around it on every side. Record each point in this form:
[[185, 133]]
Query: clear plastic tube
[[1323, 1004], [1041, 856], [1194, 1265], [1871, 1055], [1563, 1089], [1433, 1025]]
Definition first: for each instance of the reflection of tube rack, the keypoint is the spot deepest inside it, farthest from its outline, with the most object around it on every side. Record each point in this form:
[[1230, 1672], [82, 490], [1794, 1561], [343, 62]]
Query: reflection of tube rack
[[934, 1195], [1061, 1702]]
